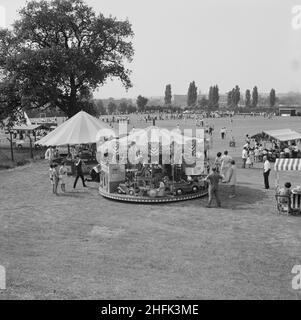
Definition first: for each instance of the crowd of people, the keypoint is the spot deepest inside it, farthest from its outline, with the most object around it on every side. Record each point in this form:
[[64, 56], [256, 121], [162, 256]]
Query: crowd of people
[[58, 172]]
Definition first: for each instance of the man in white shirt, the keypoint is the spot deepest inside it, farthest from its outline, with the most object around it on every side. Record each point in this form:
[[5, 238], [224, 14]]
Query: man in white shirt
[[244, 157], [49, 155], [266, 172]]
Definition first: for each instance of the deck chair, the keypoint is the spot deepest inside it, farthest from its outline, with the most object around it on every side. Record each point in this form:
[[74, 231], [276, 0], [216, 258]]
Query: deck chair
[[284, 205]]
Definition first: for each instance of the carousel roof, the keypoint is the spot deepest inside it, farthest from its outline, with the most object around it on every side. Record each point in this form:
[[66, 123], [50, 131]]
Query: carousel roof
[[153, 141], [288, 165], [80, 129]]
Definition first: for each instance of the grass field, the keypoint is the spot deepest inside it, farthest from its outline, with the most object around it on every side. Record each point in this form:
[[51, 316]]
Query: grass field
[[79, 245]]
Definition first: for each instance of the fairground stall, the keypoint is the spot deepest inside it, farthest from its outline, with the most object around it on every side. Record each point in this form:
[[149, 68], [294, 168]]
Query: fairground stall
[[288, 201], [78, 136], [280, 143], [153, 166]]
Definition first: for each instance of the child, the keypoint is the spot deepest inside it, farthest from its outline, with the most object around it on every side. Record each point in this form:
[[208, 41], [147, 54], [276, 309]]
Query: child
[[256, 154], [248, 161], [55, 175], [252, 156], [51, 176], [62, 176]]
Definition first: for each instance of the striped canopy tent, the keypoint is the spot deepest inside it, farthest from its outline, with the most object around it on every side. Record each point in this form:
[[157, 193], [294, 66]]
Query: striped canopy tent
[[286, 165], [281, 135], [80, 129], [151, 143]]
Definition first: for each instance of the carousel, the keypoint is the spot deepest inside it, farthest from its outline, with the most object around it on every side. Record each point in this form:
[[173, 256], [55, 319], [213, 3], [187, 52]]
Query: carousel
[[153, 165]]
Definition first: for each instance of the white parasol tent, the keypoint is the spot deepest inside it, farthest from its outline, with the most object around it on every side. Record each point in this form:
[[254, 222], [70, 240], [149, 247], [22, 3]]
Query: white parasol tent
[[286, 165], [80, 129]]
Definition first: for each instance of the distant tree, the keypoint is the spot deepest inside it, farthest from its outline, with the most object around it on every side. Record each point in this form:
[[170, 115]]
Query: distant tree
[[123, 106], [141, 103], [112, 107], [131, 109], [236, 96], [255, 97], [203, 102], [99, 106], [229, 98], [168, 95], [192, 95], [272, 98], [213, 97], [248, 98]]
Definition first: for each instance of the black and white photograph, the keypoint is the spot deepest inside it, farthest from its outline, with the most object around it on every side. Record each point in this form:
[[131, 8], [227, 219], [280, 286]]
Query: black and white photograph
[[150, 151]]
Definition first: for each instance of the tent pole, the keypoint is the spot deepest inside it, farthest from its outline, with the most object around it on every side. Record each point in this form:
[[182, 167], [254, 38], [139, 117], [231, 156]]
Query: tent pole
[[11, 145]]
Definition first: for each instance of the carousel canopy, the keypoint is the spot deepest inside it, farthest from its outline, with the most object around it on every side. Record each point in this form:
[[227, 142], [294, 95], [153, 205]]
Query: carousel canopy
[[80, 129], [288, 165], [152, 141], [280, 135]]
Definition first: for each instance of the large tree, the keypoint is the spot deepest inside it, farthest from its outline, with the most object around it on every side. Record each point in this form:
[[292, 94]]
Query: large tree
[[168, 95], [59, 51]]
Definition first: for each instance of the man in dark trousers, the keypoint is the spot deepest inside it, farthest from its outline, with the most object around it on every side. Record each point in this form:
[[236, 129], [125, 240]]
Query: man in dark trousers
[[214, 178], [79, 171], [266, 172]]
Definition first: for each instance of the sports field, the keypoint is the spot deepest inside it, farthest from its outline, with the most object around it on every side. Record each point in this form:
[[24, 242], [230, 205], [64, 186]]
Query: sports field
[[81, 246]]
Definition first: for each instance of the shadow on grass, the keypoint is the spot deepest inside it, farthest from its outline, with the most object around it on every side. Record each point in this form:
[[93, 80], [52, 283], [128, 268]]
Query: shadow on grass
[[245, 197], [74, 194]]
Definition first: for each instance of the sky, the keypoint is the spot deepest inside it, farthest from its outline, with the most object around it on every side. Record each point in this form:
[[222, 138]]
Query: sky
[[223, 42]]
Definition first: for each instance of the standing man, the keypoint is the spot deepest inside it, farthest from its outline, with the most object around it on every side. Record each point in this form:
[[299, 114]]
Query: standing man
[[49, 154], [266, 172], [213, 178], [232, 179], [244, 157], [79, 172]]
